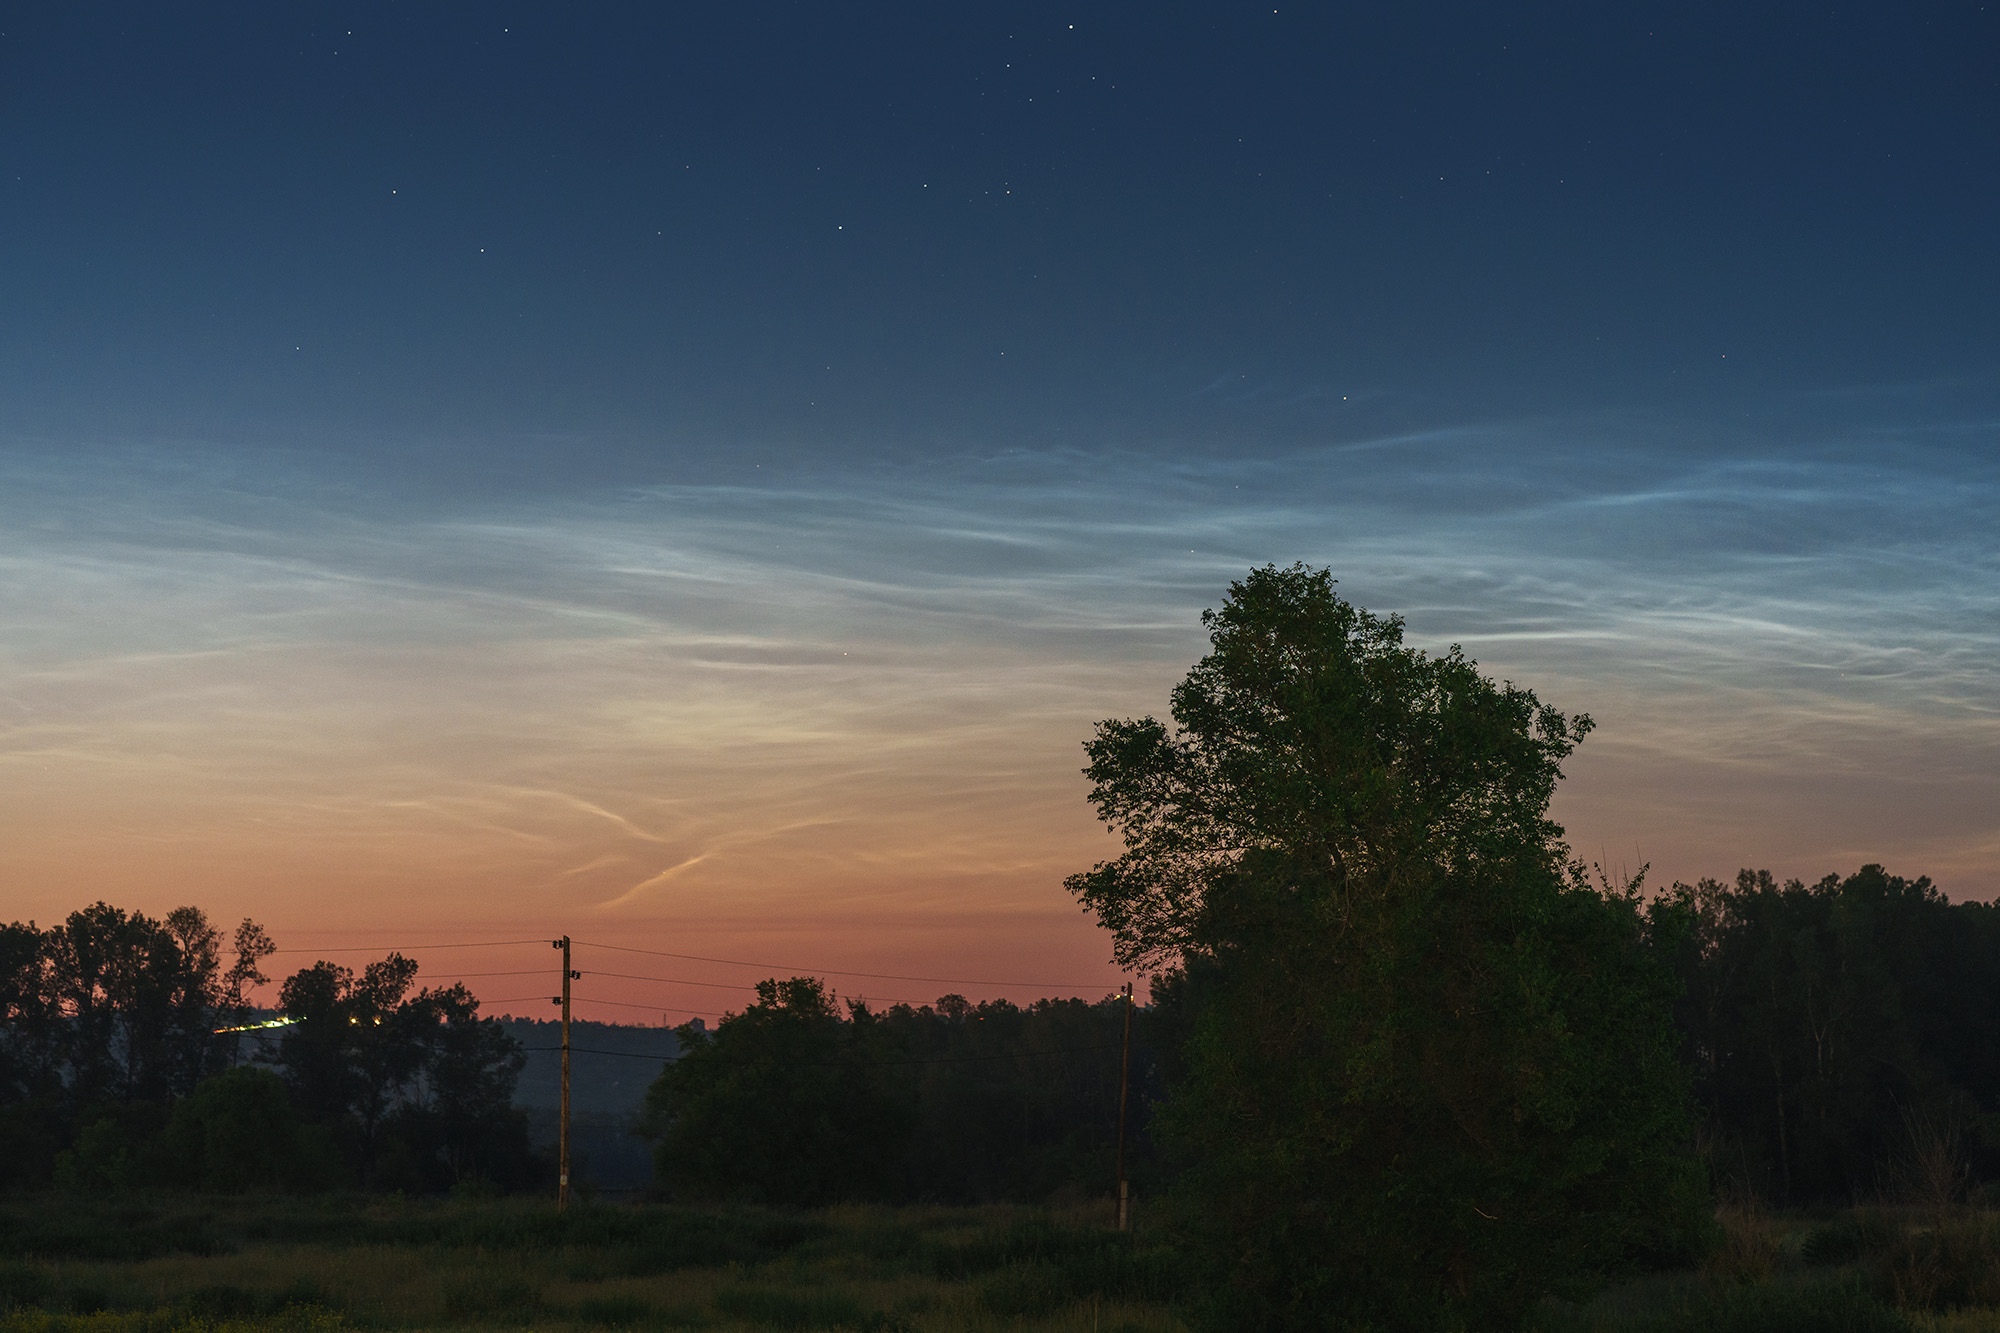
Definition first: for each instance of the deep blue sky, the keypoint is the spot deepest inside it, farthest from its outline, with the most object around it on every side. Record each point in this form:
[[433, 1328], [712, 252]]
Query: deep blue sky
[[425, 427], [845, 227]]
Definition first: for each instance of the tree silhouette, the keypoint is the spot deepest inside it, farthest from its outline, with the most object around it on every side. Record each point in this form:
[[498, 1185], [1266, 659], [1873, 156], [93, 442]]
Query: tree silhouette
[[1432, 1073]]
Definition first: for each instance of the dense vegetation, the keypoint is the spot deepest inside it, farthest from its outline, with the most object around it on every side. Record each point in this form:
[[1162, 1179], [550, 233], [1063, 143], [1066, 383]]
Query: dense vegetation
[[1432, 1071], [174, 1263], [205, 1264], [1840, 1034], [795, 1101], [119, 1067]]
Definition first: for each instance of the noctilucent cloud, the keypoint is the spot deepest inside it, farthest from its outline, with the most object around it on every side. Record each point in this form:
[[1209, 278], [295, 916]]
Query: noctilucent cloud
[[690, 477]]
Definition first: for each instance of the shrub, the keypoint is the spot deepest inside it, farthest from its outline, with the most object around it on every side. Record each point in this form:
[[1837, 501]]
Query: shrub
[[1850, 1238], [239, 1132], [1749, 1247], [1948, 1266]]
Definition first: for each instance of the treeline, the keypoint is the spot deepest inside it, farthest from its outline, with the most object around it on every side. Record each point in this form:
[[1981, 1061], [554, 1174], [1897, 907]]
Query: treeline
[[802, 1100], [1842, 1041], [124, 1063], [1843, 1037]]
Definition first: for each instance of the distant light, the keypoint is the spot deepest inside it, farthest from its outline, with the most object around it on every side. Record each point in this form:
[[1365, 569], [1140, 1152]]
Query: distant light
[[256, 1027]]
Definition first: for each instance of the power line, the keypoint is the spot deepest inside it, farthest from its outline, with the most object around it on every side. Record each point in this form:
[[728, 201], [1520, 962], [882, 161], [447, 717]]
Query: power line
[[656, 1008], [672, 981], [841, 972], [730, 985], [467, 976], [687, 957], [586, 1050], [623, 1004], [828, 1064], [406, 948]]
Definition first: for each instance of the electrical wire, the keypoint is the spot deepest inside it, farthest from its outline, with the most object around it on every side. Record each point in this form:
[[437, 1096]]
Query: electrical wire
[[678, 981], [467, 976], [406, 948], [730, 985], [622, 1004], [587, 1050], [837, 972], [688, 957], [672, 981], [879, 1064]]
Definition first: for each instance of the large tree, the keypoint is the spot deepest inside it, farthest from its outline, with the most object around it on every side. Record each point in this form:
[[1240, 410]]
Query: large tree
[[781, 1104], [416, 1084], [1432, 1074]]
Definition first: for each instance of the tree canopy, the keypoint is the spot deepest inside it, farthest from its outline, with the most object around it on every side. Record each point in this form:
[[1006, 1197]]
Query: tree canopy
[[120, 1042], [418, 1087], [799, 1099], [1432, 1074], [1827, 1025]]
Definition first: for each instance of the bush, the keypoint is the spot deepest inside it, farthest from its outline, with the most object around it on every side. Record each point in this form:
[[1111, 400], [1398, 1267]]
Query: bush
[[99, 1162], [238, 1133], [1850, 1238], [1749, 1247], [21, 1285], [1943, 1267]]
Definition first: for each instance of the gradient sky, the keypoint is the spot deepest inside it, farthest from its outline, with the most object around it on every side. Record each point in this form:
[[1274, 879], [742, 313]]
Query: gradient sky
[[690, 477]]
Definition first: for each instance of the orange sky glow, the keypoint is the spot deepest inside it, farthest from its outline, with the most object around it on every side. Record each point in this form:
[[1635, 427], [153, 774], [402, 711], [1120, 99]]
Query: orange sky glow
[[778, 726]]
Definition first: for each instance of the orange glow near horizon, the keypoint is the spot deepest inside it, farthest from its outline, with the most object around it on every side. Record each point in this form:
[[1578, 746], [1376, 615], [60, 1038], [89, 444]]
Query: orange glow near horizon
[[838, 727]]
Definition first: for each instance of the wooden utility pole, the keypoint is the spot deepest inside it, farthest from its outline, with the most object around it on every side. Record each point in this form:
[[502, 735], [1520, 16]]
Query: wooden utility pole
[[562, 1132], [1124, 1082]]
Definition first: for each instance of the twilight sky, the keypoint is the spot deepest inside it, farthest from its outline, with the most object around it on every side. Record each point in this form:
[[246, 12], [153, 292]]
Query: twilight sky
[[691, 477]]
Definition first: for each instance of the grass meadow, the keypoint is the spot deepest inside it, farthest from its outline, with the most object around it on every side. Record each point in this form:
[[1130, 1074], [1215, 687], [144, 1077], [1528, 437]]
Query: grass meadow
[[129, 1266], [181, 1264], [1864, 1270]]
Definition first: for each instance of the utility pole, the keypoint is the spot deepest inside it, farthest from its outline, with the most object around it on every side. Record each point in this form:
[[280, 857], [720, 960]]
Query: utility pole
[[1124, 1083], [562, 1133]]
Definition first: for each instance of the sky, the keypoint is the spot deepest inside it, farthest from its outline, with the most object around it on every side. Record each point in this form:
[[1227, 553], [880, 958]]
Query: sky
[[690, 478]]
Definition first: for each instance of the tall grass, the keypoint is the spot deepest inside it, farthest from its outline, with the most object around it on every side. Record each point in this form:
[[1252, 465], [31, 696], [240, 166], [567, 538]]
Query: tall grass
[[1928, 1265], [179, 1264], [188, 1265]]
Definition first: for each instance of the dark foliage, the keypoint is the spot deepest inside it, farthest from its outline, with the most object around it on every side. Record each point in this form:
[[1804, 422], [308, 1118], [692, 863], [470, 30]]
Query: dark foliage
[[112, 1006], [107, 1020], [1844, 1036], [797, 1101], [504, 1261], [1814, 1304], [119, 1069], [418, 1088], [1431, 1073], [241, 1131]]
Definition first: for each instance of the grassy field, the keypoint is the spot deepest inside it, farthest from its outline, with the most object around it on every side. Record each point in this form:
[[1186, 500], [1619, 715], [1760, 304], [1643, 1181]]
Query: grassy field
[[172, 1264], [1867, 1270], [175, 1264]]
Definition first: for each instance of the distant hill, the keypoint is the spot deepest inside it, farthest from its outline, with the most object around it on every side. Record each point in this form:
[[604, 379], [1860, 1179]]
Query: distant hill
[[611, 1066]]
